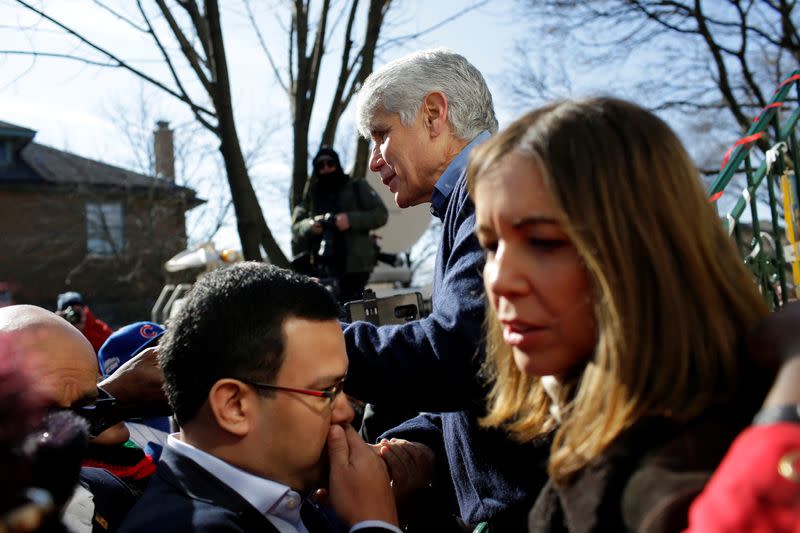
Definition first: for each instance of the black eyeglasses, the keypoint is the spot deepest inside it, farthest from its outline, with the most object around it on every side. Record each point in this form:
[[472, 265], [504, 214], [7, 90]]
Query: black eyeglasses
[[330, 393], [326, 163], [101, 414]]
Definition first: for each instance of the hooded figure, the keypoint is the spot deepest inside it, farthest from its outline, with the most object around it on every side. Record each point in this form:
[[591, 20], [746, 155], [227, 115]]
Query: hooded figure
[[331, 226]]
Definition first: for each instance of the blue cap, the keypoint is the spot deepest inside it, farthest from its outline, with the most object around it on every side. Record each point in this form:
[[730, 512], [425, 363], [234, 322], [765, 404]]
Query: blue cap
[[125, 343]]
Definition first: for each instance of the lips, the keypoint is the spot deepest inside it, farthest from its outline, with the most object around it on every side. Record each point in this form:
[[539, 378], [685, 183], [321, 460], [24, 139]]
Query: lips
[[516, 333], [388, 180]]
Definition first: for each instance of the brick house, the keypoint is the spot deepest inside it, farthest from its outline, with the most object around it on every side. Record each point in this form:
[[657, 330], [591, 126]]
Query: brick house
[[71, 223]]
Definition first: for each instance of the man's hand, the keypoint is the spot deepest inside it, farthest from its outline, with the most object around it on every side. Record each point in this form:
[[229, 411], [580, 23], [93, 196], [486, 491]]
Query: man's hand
[[138, 383], [342, 222], [316, 228], [359, 484], [410, 466]]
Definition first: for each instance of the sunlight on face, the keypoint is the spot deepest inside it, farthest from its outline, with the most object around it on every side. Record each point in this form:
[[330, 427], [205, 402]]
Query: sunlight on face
[[535, 280], [401, 156]]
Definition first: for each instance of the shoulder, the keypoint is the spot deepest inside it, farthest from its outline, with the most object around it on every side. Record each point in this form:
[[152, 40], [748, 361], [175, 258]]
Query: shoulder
[[160, 510], [660, 490]]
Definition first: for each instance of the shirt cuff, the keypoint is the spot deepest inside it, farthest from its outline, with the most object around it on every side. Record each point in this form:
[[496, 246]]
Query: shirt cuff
[[375, 523]]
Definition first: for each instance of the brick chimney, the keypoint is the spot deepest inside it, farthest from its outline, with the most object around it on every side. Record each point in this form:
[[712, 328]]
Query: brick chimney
[[164, 150]]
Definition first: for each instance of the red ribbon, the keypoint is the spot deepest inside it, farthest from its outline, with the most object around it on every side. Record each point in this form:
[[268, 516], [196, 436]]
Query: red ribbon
[[768, 106], [790, 79], [744, 140]]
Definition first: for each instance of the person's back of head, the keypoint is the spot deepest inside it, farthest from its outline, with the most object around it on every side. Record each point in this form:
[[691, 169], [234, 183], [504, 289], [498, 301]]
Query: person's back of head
[[402, 85]]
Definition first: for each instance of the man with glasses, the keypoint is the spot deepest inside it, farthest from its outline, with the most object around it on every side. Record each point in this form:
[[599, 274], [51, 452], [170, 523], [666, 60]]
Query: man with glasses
[[253, 366], [331, 226]]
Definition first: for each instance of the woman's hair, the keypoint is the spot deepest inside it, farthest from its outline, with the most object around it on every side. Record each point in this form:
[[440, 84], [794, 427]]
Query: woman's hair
[[671, 296]]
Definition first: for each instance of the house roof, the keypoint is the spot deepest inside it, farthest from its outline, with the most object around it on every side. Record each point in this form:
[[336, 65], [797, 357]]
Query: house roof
[[43, 165], [12, 130]]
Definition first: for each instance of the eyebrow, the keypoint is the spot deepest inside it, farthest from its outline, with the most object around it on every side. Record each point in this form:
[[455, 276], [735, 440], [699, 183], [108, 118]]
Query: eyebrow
[[526, 221], [534, 220], [328, 380], [376, 127]]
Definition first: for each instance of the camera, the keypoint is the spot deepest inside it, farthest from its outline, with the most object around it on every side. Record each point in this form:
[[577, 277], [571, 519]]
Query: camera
[[73, 314], [328, 223], [394, 309]]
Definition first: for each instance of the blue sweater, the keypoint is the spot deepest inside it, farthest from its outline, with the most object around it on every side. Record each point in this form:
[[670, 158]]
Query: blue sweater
[[433, 364]]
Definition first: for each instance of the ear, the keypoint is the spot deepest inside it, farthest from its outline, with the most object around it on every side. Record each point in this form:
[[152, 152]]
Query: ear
[[231, 404], [434, 109]]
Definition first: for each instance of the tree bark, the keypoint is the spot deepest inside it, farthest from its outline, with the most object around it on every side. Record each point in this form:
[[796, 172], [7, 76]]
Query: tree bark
[[253, 230]]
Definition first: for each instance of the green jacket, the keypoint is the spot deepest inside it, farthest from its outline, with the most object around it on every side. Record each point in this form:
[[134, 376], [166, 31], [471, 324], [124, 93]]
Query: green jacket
[[366, 212]]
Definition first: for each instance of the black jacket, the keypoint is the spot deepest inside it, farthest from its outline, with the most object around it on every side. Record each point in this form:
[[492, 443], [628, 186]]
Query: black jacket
[[184, 497]]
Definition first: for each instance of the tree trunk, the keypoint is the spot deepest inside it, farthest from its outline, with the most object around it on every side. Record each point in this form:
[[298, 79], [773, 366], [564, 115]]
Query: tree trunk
[[253, 229]]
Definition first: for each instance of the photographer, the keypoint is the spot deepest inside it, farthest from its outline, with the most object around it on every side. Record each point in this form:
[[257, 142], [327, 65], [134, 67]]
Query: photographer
[[331, 226], [70, 305]]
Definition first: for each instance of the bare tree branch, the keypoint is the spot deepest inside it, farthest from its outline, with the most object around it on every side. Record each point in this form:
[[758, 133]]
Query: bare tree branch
[[435, 26], [262, 43], [119, 16], [117, 62], [59, 56], [188, 50]]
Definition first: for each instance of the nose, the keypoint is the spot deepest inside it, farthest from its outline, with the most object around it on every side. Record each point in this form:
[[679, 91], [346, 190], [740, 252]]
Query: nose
[[342, 412], [376, 159], [504, 274]]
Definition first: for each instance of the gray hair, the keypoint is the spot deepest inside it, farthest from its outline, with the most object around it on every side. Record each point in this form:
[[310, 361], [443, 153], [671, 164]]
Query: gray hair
[[402, 85]]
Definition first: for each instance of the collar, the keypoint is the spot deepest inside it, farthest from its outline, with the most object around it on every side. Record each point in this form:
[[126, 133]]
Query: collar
[[447, 181], [552, 387], [269, 497]]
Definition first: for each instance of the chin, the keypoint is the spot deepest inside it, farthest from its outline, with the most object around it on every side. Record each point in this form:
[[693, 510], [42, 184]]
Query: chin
[[401, 202], [535, 365], [524, 362]]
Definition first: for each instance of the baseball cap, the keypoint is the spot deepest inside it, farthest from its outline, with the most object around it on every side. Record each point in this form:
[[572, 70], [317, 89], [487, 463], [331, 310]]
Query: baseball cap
[[125, 343]]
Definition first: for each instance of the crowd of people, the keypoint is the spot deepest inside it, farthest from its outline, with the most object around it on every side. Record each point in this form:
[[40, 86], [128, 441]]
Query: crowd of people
[[597, 357]]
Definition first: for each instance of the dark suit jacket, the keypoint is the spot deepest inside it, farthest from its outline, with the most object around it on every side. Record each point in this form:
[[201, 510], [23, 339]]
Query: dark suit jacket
[[184, 497]]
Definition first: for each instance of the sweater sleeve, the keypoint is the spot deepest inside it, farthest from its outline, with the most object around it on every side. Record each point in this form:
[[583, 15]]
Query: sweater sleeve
[[429, 364]]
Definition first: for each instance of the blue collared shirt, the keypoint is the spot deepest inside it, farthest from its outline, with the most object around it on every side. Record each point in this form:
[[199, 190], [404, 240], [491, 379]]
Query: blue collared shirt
[[447, 181], [277, 502]]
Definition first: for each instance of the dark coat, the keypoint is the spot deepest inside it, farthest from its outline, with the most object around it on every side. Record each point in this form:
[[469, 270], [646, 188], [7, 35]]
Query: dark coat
[[184, 497], [366, 212], [646, 481]]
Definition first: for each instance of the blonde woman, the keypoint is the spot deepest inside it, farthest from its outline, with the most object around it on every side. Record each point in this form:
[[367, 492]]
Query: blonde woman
[[617, 307]]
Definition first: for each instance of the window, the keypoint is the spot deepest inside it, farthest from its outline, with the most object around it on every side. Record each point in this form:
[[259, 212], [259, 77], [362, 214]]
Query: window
[[5, 153], [105, 228]]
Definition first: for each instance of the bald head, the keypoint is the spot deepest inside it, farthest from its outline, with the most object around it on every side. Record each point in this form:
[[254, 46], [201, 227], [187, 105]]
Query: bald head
[[61, 359]]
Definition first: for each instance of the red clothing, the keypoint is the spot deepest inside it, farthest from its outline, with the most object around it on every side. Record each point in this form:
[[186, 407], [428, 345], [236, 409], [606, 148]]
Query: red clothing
[[95, 330], [756, 487]]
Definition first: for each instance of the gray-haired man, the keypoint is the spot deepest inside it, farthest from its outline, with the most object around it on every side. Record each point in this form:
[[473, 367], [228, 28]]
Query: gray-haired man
[[425, 112]]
